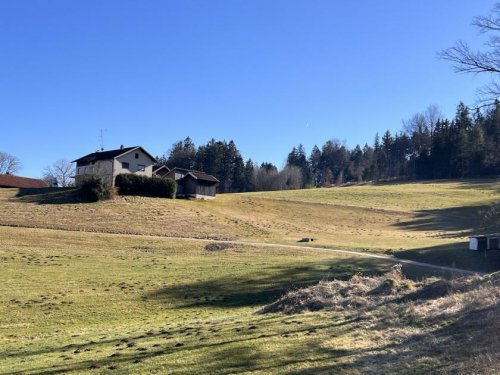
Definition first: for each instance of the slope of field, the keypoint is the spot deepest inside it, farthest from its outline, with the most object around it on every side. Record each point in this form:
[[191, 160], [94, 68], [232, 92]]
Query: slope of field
[[374, 218], [76, 301], [110, 291], [405, 197]]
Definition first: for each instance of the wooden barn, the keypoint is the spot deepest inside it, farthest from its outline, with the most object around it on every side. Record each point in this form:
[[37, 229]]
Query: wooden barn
[[193, 184]]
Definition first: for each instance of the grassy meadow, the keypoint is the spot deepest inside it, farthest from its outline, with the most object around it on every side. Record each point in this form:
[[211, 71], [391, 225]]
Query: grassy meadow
[[128, 285], [77, 301], [370, 217]]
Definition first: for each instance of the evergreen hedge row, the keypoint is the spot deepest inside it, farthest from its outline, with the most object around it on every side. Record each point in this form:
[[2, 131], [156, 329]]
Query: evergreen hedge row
[[132, 184], [94, 189]]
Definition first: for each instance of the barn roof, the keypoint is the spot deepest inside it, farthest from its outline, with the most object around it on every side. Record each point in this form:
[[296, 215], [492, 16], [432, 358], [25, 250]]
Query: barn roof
[[8, 180], [197, 175], [202, 176], [157, 168], [110, 154]]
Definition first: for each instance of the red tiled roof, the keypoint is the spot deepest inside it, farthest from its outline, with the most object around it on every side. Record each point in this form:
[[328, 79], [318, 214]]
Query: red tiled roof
[[8, 180]]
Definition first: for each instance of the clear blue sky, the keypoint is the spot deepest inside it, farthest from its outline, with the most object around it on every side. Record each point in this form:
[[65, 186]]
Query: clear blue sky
[[267, 74]]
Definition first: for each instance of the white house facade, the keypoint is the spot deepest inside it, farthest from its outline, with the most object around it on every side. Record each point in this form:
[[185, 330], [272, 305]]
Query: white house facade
[[109, 164]]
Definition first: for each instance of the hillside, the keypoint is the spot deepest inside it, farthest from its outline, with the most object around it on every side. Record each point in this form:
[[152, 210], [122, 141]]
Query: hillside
[[394, 216], [431, 219], [110, 291]]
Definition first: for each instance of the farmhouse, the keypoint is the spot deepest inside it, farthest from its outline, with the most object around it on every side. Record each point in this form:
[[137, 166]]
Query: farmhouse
[[193, 184], [11, 181], [109, 164]]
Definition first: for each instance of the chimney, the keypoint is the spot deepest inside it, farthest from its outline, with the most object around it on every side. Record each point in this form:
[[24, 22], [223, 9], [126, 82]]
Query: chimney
[[121, 147]]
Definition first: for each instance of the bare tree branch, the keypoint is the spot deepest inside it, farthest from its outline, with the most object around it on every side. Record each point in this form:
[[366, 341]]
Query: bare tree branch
[[488, 23], [61, 171], [465, 60], [9, 163]]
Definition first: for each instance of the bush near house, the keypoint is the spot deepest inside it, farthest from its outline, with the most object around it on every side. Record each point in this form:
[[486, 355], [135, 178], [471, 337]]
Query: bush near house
[[94, 189], [130, 184]]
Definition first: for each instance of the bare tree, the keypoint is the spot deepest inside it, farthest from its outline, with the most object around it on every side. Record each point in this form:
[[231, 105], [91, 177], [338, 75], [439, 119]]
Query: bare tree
[[9, 163], [466, 60], [432, 115], [61, 171], [420, 127]]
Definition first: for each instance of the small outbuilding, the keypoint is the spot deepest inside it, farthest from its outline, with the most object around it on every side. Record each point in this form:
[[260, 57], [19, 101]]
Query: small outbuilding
[[487, 242], [193, 184]]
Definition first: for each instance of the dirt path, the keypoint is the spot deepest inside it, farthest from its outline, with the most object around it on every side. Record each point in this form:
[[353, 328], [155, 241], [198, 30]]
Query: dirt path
[[278, 245], [362, 254]]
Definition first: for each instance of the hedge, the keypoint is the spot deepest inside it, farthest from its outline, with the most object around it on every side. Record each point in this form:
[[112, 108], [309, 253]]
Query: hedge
[[132, 184], [94, 189]]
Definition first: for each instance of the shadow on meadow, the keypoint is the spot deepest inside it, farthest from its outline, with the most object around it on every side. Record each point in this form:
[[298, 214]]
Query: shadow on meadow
[[238, 352], [491, 185], [458, 221], [457, 344], [259, 289], [454, 255], [48, 195]]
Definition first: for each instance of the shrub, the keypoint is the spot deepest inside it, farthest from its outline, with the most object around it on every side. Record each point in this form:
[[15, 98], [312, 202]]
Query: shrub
[[94, 189], [131, 184]]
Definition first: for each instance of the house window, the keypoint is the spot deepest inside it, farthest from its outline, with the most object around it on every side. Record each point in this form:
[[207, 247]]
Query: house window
[[125, 165], [141, 168], [136, 155]]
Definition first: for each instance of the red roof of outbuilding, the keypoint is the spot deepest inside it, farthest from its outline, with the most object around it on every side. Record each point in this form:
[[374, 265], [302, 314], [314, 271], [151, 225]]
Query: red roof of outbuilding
[[8, 180]]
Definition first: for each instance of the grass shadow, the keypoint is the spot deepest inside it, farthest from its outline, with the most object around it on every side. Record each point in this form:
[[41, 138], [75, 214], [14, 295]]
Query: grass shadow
[[235, 353], [458, 221], [257, 290], [455, 255], [67, 195]]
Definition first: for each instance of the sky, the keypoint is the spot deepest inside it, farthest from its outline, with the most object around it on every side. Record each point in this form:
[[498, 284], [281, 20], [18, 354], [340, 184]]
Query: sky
[[268, 74]]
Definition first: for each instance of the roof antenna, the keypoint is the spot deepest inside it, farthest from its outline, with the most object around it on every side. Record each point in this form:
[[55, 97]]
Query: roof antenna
[[101, 140]]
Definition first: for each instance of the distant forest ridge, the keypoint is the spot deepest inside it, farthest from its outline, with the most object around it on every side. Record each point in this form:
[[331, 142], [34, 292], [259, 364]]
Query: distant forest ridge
[[428, 147]]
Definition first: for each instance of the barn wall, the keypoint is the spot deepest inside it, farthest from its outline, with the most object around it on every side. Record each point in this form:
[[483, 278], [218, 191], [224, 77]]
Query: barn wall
[[190, 187], [206, 189]]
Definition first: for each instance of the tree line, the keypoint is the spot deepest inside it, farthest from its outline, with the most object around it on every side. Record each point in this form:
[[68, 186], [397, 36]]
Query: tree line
[[428, 147]]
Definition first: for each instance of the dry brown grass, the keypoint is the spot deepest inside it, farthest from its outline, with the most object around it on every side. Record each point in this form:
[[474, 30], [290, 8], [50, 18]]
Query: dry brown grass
[[376, 218], [122, 215], [338, 295], [438, 326]]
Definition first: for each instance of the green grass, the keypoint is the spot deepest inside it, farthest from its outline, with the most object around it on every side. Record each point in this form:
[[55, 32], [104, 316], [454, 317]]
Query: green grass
[[71, 301], [404, 197], [112, 289]]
